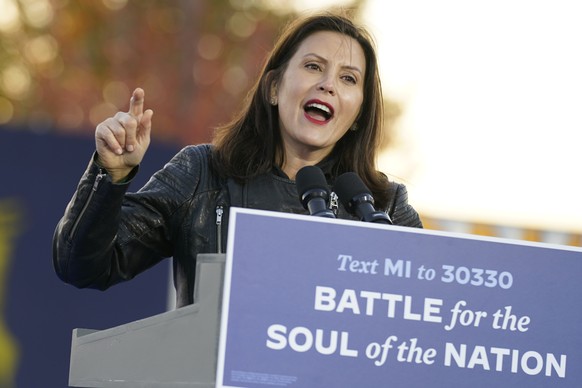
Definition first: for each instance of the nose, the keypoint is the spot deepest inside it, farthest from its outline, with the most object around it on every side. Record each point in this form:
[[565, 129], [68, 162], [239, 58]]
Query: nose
[[327, 86]]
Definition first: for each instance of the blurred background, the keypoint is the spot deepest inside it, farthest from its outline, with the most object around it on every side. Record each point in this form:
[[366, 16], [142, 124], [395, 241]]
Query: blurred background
[[483, 126]]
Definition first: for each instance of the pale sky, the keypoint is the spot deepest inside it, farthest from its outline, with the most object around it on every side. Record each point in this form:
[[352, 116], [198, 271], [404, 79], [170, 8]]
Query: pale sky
[[492, 96], [491, 92]]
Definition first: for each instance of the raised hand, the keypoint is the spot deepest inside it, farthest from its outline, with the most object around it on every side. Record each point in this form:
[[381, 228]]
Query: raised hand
[[123, 139]]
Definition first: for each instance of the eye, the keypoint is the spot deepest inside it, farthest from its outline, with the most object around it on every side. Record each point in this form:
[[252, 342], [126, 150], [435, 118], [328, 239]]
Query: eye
[[313, 66], [350, 79]]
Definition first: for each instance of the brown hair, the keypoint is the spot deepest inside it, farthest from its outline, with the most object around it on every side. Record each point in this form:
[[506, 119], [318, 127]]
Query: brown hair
[[251, 143]]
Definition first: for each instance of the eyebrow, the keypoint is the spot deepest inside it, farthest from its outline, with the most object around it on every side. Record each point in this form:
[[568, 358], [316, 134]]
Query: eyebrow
[[349, 67]]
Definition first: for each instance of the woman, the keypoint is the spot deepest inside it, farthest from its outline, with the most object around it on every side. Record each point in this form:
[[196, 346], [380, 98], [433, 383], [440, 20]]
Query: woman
[[317, 102]]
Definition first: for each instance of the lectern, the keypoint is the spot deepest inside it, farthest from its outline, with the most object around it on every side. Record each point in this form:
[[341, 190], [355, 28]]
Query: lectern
[[174, 349], [313, 302]]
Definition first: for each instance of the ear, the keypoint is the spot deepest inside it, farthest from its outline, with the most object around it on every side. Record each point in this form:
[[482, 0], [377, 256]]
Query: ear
[[273, 93]]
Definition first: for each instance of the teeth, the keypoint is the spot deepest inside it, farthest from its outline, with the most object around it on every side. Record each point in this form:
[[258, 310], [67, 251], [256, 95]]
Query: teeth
[[320, 106]]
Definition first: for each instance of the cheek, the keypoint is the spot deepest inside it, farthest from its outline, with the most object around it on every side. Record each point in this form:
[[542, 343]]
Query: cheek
[[289, 93], [286, 112], [290, 102], [355, 106]]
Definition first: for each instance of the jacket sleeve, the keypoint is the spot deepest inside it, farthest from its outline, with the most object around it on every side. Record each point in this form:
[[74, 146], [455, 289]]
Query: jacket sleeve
[[400, 211], [107, 235]]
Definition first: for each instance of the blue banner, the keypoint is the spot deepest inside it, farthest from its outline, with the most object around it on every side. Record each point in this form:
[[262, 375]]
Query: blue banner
[[331, 303], [38, 312]]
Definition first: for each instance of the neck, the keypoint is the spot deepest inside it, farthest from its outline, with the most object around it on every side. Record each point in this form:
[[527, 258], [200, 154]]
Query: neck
[[292, 165], [297, 158]]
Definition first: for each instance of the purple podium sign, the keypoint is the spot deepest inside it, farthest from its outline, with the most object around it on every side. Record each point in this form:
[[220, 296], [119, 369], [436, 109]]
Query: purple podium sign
[[314, 302]]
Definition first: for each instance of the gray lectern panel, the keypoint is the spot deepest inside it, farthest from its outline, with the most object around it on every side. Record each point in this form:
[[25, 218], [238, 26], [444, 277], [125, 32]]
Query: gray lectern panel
[[174, 349]]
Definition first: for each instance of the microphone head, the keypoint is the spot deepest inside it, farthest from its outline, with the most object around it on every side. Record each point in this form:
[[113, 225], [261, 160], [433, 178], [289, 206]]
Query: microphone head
[[358, 199], [348, 186], [310, 179]]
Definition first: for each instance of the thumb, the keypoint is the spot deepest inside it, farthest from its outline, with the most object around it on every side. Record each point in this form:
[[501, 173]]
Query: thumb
[[142, 140], [145, 125]]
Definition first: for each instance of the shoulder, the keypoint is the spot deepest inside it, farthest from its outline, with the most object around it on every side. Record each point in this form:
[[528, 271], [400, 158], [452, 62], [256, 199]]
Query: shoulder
[[187, 171], [192, 160], [401, 212], [193, 155]]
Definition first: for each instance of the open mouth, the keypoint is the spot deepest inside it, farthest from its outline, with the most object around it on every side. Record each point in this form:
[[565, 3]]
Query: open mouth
[[318, 111]]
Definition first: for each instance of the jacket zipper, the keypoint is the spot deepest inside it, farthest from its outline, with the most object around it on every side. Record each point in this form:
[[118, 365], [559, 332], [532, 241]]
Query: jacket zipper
[[98, 179], [333, 203], [219, 212]]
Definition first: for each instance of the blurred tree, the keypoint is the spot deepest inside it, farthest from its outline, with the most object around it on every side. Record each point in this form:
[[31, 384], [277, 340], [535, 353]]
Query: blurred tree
[[10, 226], [67, 65]]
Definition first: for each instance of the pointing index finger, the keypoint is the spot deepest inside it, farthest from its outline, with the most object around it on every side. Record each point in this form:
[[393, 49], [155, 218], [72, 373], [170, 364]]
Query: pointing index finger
[[136, 102]]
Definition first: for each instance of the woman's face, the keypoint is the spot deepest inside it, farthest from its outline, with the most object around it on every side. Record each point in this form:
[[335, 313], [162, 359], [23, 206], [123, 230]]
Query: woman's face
[[320, 94]]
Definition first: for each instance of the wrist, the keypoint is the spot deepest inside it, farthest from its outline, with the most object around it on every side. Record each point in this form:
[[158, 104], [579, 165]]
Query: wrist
[[117, 175]]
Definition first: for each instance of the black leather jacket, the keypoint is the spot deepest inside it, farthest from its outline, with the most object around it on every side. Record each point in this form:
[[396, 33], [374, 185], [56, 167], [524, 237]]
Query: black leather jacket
[[108, 235]]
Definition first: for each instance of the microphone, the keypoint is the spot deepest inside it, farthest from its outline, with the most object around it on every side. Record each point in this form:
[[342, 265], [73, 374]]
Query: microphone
[[357, 199], [313, 191]]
